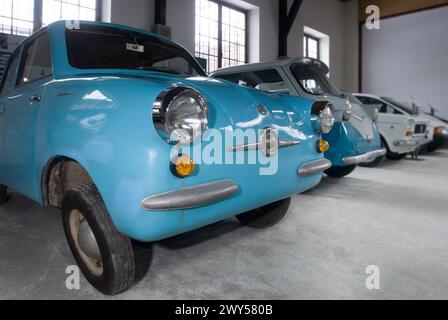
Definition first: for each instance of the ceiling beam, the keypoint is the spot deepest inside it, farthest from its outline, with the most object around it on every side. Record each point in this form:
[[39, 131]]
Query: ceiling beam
[[160, 12], [286, 21]]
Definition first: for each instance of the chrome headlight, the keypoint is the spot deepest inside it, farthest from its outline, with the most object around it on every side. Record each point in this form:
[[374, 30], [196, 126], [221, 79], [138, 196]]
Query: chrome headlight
[[347, 112], [181, 114], [326, 118], [376, 113]]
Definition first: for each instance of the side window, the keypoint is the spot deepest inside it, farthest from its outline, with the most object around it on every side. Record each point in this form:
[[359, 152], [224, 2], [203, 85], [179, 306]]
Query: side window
[[382, 107], [10, 75], [36, 60], [396, 111]]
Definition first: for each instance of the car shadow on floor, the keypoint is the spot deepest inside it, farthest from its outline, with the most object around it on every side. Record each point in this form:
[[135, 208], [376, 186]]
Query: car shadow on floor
[[198, 236], [144, 251]]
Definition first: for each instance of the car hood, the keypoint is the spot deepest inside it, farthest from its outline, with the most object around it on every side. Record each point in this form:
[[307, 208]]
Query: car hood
[[233, 107]]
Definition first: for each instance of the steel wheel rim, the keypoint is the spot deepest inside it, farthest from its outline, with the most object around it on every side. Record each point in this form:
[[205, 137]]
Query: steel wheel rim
[[95, 266]]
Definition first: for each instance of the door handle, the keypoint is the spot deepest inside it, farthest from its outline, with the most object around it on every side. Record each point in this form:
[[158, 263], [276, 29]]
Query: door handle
[[35, 99]]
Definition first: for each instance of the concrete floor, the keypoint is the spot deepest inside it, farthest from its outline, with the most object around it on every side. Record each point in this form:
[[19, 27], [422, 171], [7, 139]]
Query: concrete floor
[[394, 217]]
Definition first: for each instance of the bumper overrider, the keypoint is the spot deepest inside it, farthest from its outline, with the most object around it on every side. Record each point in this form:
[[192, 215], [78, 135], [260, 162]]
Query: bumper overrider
[[210, 193], [365, 157]]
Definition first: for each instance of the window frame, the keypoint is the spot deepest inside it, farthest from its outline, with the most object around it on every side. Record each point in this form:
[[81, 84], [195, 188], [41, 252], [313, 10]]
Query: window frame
[[38, 14], [307, 36], [222, 4], [15, 18], [21, 66]]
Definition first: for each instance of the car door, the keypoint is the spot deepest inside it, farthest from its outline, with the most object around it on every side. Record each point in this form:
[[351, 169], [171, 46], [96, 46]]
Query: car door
[[20, 116]]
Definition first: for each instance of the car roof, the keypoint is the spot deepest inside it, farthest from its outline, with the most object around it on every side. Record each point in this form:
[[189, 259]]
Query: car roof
[[64, 23], [270, 64]]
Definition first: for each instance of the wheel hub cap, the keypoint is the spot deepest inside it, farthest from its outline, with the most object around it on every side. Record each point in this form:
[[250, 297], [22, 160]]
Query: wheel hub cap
[[87, 242]]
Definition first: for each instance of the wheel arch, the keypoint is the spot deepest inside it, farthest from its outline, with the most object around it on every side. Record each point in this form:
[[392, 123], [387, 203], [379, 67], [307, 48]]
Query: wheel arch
[[385, 142], [58, 175]]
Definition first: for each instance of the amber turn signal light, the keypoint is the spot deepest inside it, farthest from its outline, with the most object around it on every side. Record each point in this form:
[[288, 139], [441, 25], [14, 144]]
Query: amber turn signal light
[[183, 166], [323, 146]]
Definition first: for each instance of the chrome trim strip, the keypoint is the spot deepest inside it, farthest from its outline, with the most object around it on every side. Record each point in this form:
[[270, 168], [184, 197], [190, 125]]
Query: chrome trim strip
[[191, 197], [360, 119], [257, 146], [314, 167], [366, 157]]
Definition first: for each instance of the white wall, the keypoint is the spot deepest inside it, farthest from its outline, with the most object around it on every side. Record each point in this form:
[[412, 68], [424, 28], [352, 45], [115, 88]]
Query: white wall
[[338, 20], [332, 17], [136, 13], [408, 57]]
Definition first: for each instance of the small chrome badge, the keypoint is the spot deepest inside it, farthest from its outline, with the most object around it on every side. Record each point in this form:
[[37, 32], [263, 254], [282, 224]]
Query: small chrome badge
[[269, 142], [262, 110]]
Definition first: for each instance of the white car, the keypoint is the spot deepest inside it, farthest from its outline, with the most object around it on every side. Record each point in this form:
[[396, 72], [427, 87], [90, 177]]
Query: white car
[[401, 132], [437, 131]]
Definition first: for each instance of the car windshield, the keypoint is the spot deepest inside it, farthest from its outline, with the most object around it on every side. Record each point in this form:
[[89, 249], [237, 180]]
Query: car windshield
[[402, 105], [268, 80], [313, 80], [104, 47]]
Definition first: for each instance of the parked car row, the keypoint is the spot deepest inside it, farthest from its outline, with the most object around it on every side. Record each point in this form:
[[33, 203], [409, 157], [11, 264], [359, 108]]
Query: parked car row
[[125, 133]]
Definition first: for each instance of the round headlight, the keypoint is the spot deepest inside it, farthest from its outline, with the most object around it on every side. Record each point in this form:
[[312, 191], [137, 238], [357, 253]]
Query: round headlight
[[181, 113], [326, 118], [348, 112]]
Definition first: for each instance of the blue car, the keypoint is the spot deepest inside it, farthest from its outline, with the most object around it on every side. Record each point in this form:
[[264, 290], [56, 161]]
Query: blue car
[[354, 139], [122, 130]]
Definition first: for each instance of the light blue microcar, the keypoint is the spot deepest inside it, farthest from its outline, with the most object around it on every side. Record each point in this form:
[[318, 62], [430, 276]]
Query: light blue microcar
[[123, 131]]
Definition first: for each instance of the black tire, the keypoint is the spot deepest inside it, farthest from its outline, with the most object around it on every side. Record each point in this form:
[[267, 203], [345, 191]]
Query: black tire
[[3, 194], [396, 156], [266, 216], [114, 269], [340, 172], [376, 162]]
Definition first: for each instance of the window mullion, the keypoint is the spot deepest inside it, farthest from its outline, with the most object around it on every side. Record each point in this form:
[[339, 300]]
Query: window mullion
[[37, 24], [220, 54]]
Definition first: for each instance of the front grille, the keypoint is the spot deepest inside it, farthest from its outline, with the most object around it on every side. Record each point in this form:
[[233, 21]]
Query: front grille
[[420, 128]]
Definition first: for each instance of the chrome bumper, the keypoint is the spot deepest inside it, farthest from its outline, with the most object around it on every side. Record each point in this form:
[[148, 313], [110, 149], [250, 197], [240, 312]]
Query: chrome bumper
[[366, 157], [314, 167], [191, 197], [406, 143]]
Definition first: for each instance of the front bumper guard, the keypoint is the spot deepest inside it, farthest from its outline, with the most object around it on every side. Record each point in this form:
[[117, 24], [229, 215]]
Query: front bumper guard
[[192, 197], [314, 167], [366, 157]]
